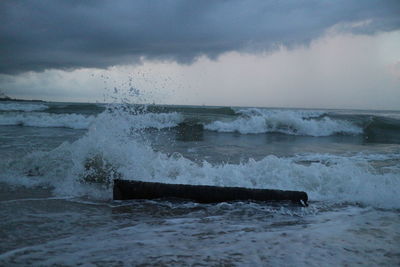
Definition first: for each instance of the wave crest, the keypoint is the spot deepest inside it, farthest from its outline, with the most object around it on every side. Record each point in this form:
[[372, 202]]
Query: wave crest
[[311, 123], [39, 119], [22, 107], [78, 121], [110, 147]]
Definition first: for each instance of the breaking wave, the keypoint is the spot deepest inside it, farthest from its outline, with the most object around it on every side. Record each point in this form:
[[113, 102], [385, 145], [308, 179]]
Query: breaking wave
[[78, 121], [112, 148], [22, 107], [311, 123], [39, 119]]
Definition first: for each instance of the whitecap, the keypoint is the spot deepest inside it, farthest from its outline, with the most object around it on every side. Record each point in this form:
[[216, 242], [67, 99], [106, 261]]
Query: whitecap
[[27, 107], [308, 123]]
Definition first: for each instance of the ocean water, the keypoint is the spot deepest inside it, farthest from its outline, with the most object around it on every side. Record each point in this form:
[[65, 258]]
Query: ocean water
[[348, 162]]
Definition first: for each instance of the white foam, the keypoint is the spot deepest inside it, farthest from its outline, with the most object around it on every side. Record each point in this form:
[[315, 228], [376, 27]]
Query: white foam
[[254, 121], [350, 236], [27, 107], [338, 179], [259, 234], [78, 121], [324, 177], [39, 119]]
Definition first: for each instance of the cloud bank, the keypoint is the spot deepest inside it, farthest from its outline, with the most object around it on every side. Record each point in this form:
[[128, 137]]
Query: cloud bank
[[55, 34], [335, 71]]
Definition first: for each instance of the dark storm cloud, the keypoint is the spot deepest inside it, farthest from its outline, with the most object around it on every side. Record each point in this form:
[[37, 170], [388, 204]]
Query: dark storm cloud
[[38, 35]]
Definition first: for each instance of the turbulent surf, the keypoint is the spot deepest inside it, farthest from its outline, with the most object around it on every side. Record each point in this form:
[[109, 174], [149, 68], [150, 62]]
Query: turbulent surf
[[59, 160]]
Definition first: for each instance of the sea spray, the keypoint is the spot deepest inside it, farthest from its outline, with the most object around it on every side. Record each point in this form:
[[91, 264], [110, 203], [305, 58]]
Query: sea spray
[[77, 121], [311, 123], [117, 137]]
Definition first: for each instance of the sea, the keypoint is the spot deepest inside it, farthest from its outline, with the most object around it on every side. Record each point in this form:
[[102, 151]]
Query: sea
[[58, 162]]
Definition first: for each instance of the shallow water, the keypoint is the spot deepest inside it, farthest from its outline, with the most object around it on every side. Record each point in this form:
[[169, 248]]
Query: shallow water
[[69, 231], [49, 217]]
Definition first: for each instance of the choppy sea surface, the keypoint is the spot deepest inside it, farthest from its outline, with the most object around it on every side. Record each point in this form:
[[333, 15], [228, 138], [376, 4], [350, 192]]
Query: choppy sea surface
[[348, 161]]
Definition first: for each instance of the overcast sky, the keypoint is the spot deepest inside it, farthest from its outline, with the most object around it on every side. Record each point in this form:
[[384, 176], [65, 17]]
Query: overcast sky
[[316, 54]]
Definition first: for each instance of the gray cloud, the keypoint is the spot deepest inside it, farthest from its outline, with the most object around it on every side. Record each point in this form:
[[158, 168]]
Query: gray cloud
[[38, 35]]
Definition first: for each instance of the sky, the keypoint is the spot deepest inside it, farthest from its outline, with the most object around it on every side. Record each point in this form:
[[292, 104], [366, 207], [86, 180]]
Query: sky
[[295, 53]]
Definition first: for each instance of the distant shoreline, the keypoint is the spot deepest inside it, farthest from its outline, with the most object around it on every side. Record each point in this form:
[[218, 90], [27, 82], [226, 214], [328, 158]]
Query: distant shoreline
[[19, 100]]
